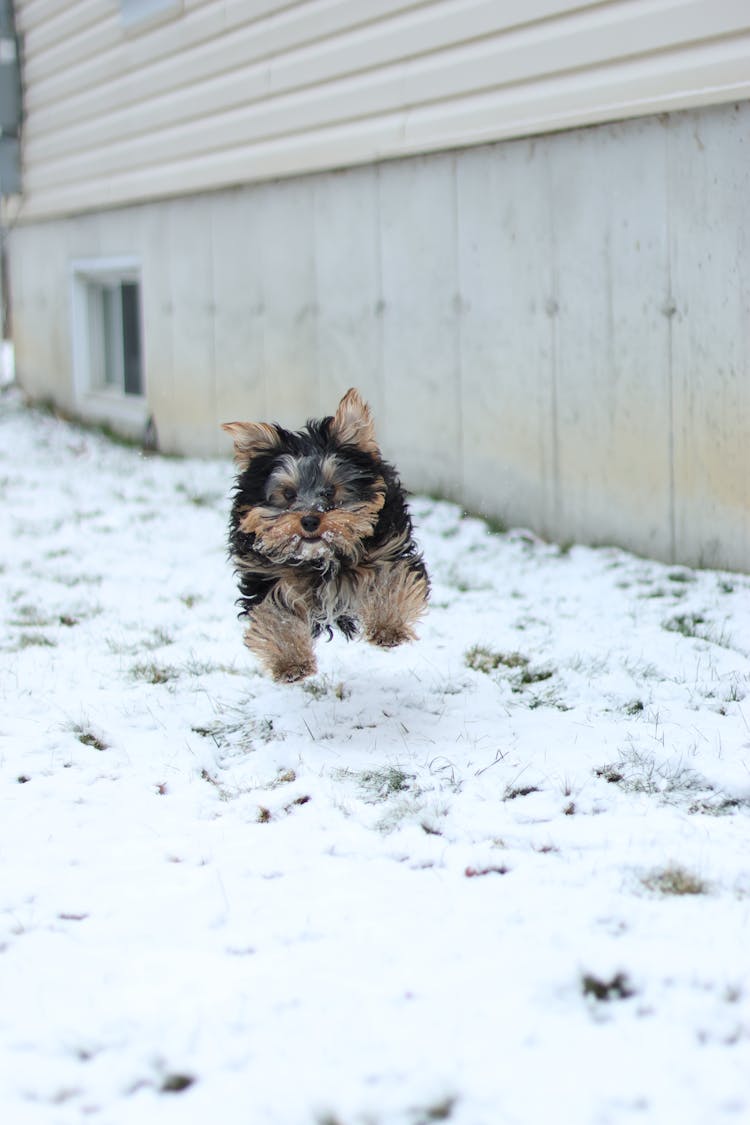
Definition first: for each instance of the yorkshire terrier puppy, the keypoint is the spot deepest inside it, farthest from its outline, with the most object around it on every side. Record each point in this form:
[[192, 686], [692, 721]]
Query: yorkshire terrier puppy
[[320, 536]]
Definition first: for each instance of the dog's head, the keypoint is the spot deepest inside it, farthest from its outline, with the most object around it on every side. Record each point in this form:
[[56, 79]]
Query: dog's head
[[312, 495]]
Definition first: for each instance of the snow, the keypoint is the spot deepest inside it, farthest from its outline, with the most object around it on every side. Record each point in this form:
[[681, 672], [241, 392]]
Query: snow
[[439, 883]]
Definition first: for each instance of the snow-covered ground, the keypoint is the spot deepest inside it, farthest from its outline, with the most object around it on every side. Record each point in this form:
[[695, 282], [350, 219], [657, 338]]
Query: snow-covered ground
[[498, 876]]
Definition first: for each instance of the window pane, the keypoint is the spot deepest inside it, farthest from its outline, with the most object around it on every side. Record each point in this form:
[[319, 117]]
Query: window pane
[[95, 325], [110, 323], [131, 339]]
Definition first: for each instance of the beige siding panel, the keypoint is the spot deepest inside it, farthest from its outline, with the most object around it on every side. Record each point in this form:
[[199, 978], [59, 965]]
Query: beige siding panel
[[224, 76], [628, 90], [45, 24], [247, 64], [246, 102], [208, 39], [34, 12], [235, 93], [45, 53], [359, 96]]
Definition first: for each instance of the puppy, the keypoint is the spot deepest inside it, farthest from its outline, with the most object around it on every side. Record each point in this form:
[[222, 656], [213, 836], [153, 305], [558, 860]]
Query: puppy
[[320, 537]]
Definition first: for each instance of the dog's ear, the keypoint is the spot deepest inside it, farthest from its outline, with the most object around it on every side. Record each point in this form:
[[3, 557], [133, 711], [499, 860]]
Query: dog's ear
[[353, 425], [250, 439]]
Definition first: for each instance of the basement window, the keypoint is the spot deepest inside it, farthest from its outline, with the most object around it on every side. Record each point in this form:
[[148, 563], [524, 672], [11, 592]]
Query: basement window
[[108, 340]]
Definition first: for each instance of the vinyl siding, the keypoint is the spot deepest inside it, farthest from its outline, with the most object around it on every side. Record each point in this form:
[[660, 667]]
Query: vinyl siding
[[236, 91]]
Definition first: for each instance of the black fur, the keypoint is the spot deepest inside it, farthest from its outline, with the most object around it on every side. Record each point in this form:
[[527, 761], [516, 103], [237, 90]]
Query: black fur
[[315, 441]]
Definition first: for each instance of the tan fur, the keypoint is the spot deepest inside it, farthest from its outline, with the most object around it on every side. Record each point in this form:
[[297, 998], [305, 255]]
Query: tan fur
[[250, 438], [282, 642], [304, 582], [353, 423], [387, 599], [281, 535], [392, 600]]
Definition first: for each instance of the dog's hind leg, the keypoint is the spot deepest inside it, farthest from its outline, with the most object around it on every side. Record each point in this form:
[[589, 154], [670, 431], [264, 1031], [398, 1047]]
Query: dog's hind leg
[[282, 642], [392, 599]]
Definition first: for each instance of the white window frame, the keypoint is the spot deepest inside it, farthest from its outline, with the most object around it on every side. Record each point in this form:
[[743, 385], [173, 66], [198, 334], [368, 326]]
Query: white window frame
[[94, 399]]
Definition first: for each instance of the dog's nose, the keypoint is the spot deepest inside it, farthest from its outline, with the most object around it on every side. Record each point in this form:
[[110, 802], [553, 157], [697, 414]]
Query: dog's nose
[[310, 523]]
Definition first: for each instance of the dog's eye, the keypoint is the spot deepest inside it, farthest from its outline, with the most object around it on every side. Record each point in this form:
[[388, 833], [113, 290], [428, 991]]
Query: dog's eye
[[328, 492], [289, 494]]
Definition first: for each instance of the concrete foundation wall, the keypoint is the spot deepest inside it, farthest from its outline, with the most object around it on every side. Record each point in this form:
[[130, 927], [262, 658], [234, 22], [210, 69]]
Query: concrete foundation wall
[[554, 332]]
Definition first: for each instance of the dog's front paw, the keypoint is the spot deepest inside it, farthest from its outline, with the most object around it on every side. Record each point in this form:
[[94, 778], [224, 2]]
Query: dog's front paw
[[390, 636], [291, 671]]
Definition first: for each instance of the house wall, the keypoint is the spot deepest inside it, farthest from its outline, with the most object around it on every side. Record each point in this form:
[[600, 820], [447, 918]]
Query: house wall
[[223, 92], [552, 331]]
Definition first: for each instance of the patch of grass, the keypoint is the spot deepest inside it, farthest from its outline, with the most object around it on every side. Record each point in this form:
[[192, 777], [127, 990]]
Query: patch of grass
[[654, 592], [735, 693], [29, 617], [34, 640], [72, 580], [610, 774], [520, 673], [481, 658], [696, 626], [549, 699], [438, 1111], [674, 880], [176, 1083], [321, 686], [88, 738], [158, 639], [223, 793], [617, 987], [478, 872], [672, 783], [465, 584], [154, 673], [682, 576], [639, 772], [686, 624], [380, 784], [512, 792], [495, 525], [48, 407], [635, 707], [383, 783], [283, 777], [533, 676], [717, 806], [195, 667], [200, 499], [237, 732], [641, 670]]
